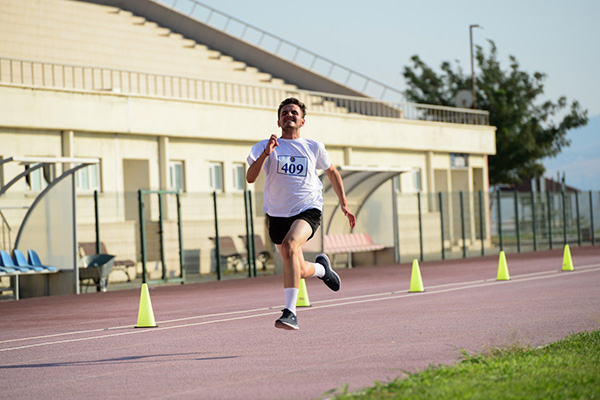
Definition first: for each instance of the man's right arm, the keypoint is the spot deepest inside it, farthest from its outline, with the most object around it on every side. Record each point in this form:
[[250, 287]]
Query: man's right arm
[[257, 165]]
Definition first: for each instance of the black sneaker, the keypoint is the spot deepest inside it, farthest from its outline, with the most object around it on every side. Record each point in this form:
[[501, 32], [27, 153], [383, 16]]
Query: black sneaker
[[331, 279], [287, 320]]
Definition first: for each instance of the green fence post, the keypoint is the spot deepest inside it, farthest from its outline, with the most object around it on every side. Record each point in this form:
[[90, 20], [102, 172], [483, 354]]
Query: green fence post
[[481, 233], [462, 224], [420, 226], [498, 196], [252, 233], [548, 195], [533, 221], [180, 231], [248, 235], [161, 237], [142, 233], [578, 219], [97, 217], [517, 224], [564, 215], [217, 244], [440, 197], [592, 219]]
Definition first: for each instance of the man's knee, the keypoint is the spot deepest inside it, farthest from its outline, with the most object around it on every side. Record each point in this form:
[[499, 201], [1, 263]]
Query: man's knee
[[289, 247]]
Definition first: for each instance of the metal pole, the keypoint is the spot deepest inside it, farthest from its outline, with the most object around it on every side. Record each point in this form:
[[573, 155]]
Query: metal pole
[[481, 232], [161, 231], [142, 233], [549, 219], [462, 224], [472, 65], [578, 219], [440, 197], [217, 244], [592, 219], [564, 215], [533, 224], [517, 225], [252, 233], [180, 229], [500, 220], [420, 226], [75, 242], [395, 186], [96, 215], [248, 240]]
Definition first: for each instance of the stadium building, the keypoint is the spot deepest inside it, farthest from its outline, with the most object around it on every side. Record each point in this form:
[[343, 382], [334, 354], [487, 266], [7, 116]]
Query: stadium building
[[143, 96]]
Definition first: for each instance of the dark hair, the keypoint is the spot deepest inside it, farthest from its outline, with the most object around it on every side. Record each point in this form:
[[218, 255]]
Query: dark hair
[[292, 100]]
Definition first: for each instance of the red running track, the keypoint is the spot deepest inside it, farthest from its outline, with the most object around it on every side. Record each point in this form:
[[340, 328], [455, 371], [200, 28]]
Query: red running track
[[217, 341]]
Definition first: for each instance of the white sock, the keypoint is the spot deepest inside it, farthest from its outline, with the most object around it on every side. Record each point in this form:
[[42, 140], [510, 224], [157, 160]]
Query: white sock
[[319, 270], [291, 297]]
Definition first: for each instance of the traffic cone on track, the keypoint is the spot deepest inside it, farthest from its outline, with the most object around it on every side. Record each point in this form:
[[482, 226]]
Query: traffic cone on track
[[302, 295], [567, 260], [502, 268], [416, 282], [145, 314]]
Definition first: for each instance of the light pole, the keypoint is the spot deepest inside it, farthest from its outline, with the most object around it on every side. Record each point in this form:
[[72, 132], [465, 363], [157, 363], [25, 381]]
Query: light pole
[[472, 66]]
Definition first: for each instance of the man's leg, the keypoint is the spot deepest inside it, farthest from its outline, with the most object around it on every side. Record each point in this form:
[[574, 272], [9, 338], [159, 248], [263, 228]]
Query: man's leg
[[294, 268]]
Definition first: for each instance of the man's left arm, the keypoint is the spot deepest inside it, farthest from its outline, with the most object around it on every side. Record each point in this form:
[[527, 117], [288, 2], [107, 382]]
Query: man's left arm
[[338, 187]]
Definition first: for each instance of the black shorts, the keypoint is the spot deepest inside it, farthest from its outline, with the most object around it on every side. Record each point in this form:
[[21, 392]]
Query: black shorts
[[280, 226]]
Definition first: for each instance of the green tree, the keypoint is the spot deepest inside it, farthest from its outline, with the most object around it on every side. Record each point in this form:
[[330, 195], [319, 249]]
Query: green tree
[[528, 129]]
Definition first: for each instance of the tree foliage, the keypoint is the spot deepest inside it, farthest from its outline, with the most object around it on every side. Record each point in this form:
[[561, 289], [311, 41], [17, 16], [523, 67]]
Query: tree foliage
[[528, 130]]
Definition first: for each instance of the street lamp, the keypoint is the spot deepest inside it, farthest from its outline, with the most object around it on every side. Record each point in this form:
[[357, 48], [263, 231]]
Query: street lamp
[[472, 67]]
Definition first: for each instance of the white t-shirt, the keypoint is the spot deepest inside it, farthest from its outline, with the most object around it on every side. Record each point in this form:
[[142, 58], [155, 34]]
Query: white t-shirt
[[292, 184]]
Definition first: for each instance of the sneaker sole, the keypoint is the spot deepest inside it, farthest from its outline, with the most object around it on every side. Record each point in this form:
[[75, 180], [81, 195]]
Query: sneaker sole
[[331, 269], [282, 325]]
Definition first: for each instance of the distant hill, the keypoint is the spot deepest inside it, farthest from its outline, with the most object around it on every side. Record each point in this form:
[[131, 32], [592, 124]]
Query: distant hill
[[581, 160]]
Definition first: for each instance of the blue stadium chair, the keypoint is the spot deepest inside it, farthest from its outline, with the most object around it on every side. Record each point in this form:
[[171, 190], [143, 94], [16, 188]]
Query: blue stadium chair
[[7, 261], [34, 259], [22, 261]]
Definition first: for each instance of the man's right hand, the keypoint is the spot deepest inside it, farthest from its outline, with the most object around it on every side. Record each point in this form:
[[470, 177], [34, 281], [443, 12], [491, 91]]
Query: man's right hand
[[271, 144]]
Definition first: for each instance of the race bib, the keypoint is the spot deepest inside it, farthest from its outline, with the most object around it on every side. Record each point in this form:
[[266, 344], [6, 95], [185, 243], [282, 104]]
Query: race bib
[[292, 165]]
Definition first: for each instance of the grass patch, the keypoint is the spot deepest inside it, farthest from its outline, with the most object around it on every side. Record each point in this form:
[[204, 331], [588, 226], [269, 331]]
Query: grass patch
[[567, 369]]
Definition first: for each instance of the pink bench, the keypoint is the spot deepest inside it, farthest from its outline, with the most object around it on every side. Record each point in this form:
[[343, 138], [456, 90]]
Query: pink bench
[[350, 243]]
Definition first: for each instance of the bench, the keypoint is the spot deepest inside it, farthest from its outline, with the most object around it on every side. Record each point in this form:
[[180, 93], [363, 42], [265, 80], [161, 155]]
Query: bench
[[262, 254], [89, 249], [20, 266], [350, 243], [229, 251]]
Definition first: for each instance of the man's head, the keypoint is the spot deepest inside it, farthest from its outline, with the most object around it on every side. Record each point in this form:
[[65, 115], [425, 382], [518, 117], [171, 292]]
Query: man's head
[[292, 100]]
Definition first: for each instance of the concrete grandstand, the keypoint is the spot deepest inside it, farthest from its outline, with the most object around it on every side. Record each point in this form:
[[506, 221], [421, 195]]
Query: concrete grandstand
[[168, 102]]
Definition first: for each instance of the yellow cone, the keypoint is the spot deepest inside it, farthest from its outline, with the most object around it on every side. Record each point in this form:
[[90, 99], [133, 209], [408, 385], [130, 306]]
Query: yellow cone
[[416, 283], [302, 295], [567, 261], [503, 268], [145, 314]]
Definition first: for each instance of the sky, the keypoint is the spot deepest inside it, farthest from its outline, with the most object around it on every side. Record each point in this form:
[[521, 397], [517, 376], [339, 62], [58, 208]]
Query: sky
[[378, 37]]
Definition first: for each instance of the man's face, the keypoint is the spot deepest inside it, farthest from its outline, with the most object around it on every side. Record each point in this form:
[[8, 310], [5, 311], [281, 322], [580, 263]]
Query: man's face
[[290, 117]]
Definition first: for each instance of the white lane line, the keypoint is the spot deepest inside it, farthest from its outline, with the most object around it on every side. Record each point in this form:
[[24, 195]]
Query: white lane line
[[340, 303]]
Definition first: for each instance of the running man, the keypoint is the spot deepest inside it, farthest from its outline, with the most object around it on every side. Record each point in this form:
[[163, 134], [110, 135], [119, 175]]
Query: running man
[[293, 201]]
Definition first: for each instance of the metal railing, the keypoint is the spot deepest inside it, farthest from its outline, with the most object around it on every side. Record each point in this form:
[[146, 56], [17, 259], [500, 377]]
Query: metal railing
[[284, 49], [119, 81]]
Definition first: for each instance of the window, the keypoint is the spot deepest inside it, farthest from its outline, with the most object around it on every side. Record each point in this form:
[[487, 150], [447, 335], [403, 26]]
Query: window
[[176, 176], [239, 176], [216, 176], [417, 180], [459, 160], [87, 179]]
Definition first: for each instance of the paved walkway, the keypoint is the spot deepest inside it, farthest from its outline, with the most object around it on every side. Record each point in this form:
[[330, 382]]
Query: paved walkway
[[216, 340]]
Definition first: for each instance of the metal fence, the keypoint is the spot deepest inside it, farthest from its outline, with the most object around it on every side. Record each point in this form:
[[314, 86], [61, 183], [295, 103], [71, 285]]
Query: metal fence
[[431, 226], [82, 78]]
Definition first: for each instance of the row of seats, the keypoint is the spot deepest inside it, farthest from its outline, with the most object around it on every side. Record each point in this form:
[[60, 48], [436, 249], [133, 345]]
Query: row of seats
[[20, 264]]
